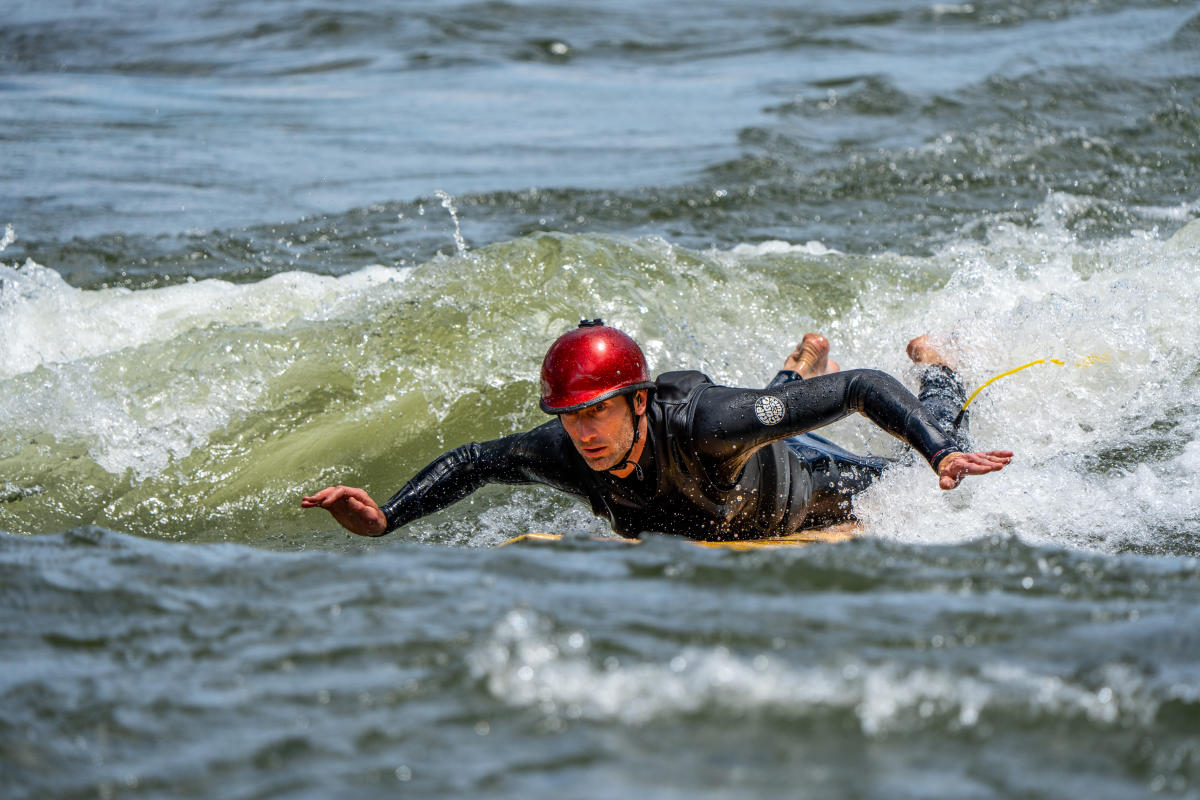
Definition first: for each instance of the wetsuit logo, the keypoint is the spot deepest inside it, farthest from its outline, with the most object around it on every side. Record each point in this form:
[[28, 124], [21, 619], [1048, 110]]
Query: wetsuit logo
[[769, 410]]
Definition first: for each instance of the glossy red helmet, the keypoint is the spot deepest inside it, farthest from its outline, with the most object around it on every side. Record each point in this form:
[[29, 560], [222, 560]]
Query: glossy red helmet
[[591, 363]]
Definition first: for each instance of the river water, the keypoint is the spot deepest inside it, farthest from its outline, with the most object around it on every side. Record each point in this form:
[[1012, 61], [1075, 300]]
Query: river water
[[251, 249]]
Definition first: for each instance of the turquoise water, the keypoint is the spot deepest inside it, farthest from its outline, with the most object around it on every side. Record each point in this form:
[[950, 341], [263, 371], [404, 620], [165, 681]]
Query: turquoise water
[[249, 250]]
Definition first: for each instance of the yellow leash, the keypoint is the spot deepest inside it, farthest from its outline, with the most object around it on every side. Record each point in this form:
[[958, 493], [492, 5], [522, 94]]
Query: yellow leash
[[1085, 362]]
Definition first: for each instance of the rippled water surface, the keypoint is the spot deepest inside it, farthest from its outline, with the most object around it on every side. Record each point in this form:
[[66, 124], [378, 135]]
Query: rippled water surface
[[250, 249]]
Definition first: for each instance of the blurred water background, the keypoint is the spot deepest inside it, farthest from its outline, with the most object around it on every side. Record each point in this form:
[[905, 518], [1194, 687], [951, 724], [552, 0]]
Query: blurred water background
[[249, 249]]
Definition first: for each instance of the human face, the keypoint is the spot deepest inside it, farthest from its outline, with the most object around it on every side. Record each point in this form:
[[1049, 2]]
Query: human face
[[602, 433]]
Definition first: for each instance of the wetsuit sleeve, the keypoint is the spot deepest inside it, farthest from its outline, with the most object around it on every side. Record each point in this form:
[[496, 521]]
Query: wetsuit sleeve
[[533, 457], [730, 424]]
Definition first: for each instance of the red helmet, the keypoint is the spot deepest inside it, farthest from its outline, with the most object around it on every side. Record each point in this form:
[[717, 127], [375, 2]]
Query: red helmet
[[591, 363]]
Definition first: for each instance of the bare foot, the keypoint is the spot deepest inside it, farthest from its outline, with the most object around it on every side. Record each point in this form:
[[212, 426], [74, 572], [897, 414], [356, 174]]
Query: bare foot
[[811, 357], [922, 350]]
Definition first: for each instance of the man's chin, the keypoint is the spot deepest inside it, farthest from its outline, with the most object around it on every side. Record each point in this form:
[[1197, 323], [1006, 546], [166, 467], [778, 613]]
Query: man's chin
[[599, 463]]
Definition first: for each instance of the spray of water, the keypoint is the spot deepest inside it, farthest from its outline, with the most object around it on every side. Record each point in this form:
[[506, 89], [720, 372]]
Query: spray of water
[[460, 244]]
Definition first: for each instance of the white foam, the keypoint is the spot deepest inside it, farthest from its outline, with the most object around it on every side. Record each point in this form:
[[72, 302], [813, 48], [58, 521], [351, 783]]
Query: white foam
[[1094, 443], [1182, 212], [44, 320], [1104, 443], [951, 9], [525, 663], [141, 411], [776, 247]]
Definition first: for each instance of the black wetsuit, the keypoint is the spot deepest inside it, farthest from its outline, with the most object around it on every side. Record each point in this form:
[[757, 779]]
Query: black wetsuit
[[719, 462]]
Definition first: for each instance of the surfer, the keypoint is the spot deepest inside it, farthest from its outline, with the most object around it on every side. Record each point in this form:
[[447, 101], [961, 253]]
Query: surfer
[[684, 456]]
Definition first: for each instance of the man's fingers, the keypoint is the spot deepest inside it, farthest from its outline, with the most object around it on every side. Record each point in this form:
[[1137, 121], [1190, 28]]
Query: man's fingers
[[979, 463], [331, 495], [979, 466], [326, 497], [316, 500], [959, 465], [997, 459]]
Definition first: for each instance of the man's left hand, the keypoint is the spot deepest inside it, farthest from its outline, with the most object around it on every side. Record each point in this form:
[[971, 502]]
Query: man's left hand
[[956, 466]]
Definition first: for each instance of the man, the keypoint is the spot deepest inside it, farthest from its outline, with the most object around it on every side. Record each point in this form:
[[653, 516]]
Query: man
[[681, 455]]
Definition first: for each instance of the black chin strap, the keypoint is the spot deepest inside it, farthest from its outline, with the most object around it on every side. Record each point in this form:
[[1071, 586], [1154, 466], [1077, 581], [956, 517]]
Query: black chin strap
[[625, 461]]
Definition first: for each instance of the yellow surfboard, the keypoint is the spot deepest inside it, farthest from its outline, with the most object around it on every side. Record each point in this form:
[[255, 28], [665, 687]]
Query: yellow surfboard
[[833, 533]]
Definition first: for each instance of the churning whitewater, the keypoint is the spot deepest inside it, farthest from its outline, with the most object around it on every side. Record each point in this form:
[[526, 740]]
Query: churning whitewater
[[250, 251]]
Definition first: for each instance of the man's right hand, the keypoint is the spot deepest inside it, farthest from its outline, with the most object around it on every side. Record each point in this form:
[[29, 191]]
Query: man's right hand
[[353, 509]]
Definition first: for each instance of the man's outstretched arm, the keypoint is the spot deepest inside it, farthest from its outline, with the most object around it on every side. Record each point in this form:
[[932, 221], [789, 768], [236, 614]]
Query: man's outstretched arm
[[449, 478], [533, 457], [729, 424]]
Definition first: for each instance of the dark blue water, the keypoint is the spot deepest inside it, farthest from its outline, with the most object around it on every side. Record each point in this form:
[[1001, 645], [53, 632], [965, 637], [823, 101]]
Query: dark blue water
[[251, 249]]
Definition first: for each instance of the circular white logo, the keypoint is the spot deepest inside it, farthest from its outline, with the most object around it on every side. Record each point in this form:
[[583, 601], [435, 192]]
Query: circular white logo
[[769, 410]]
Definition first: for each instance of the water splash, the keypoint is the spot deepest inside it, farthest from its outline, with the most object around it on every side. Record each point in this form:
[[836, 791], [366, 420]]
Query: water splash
[[460, 244], [526, 662]]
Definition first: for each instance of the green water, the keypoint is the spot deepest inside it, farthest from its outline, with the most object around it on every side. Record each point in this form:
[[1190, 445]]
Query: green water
[[250, 250]]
